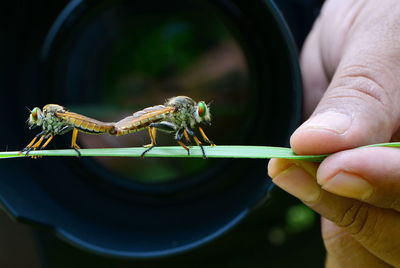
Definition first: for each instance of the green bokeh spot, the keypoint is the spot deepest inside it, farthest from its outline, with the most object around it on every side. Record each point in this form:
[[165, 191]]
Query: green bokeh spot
[[299, 218]]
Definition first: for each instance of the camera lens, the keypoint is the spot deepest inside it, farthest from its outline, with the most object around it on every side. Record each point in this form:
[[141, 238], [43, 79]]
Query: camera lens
[[107, 59]]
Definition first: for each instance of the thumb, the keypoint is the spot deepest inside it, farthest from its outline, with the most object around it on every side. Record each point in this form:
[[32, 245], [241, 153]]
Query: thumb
[[360, 105]]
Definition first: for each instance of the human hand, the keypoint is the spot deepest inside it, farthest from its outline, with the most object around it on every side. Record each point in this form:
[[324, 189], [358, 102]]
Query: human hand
[[351, 72]]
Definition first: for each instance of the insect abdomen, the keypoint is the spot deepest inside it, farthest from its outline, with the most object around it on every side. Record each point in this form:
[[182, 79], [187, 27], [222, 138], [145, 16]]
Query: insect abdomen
[[92, 128], [86, 124]]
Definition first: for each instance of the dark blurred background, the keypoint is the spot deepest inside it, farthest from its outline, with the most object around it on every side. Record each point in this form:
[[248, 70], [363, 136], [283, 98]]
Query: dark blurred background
[[201, 55]]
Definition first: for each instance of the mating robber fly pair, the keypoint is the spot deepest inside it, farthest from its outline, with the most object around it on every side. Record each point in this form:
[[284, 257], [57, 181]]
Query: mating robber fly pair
[[179, 116]]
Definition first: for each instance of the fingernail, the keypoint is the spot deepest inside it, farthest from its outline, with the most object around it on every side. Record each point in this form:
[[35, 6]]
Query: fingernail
[[336, 122], [348, 185], [299, 183]]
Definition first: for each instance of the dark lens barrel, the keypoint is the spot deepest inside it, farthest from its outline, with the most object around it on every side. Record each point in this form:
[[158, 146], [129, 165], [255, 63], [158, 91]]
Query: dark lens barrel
[[107, 59]]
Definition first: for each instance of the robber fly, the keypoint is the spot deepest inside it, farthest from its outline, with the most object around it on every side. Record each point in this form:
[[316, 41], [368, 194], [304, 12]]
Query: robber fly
[[179, 116], [57, 120]]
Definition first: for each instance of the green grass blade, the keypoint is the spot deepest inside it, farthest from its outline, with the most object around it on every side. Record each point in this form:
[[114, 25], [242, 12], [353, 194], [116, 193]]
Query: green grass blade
[[220, 151], [4, 155], [387, 144]]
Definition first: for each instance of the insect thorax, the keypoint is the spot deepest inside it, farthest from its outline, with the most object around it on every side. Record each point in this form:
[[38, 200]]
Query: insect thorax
[[184, 116], [54, 125]]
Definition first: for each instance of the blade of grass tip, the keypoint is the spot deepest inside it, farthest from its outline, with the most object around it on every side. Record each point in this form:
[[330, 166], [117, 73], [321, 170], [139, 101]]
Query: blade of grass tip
[[9, 154]]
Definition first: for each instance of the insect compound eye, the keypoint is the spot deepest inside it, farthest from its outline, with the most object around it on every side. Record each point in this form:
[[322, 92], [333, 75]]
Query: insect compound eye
[[201, 108], [34, 113]]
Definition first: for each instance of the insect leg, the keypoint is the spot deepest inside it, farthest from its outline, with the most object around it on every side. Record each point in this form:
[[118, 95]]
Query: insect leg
[[184, 146], [37, 144], [43, 146], [73, 141], [164, 126], [152, 133], [189, 131], [187, 138], [29, 146], [178, 137], [74, 137], [205, 138], [64, 130], [198, 142], [47, 142], [145, 151]]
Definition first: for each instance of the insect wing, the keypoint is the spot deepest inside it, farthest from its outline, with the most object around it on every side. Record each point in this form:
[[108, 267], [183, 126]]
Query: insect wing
[[142, 119]]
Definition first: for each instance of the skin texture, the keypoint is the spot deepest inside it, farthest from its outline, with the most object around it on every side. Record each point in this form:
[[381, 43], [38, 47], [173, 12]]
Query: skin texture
[[351, 72]]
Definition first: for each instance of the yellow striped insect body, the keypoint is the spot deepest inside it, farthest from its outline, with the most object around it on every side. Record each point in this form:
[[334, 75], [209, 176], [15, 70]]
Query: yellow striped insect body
[[57, 120], [180, 116]]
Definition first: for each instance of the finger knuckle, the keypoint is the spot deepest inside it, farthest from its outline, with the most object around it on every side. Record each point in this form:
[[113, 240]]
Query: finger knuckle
[[360, 81], [368, 87], [358, 219]]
